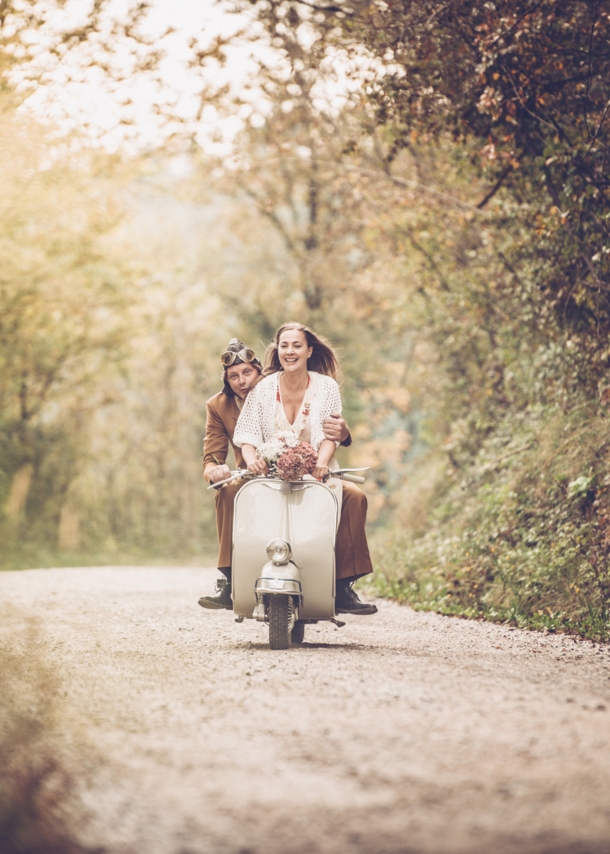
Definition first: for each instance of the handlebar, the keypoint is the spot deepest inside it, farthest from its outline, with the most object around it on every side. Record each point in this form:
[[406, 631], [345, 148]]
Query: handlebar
[[343, 474], [234, 476], [353, 478]]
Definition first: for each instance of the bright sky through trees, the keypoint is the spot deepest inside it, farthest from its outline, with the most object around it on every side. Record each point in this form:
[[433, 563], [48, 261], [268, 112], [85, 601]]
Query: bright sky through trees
[[202, 81], [132, 110]]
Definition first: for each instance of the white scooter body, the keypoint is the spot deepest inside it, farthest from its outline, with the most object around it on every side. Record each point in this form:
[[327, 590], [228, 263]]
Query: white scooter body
[[283, 566], [302, 514]]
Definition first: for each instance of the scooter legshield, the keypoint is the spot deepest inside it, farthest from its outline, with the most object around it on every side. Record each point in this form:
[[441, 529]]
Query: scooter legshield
[[306, 518]]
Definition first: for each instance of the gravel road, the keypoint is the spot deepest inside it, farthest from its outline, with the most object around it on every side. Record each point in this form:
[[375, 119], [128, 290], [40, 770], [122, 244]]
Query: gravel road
[[402, 732]]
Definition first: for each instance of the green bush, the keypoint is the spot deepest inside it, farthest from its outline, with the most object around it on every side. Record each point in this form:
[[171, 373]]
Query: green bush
[[520, 533]]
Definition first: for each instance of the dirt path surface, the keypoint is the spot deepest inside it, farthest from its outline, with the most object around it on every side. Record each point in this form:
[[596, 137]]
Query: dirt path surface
[[402, 732]]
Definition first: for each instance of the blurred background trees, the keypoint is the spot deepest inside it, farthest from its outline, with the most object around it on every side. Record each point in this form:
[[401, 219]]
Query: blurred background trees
[[62, 302], [104, 327]]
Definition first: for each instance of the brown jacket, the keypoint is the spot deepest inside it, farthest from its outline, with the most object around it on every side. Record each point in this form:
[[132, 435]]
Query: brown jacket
[[222, 415]]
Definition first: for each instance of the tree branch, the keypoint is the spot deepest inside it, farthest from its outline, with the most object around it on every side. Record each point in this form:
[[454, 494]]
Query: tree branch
[[274, 219], [402, 182], [495, 187]]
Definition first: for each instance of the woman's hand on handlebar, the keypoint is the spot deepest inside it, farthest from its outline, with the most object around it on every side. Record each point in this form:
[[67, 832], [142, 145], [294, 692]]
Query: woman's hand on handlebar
[[320, 471], [255, 465], [325, 452], [258, 467]]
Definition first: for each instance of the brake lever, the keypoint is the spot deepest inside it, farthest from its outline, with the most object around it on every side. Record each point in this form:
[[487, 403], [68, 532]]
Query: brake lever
[[346, 474]]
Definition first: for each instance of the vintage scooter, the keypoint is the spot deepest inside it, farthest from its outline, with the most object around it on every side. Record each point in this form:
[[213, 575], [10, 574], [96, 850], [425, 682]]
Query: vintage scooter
[[284, 552]]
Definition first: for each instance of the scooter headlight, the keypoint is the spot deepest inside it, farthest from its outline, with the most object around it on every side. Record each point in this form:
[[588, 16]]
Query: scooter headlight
[[278, 551]]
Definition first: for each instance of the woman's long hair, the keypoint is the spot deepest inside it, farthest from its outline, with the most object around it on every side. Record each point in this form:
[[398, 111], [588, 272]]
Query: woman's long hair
[[323, 358]]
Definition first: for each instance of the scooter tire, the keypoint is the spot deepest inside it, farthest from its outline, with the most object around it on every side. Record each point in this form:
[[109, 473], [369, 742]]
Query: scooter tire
[[280, 613], [298, 632]]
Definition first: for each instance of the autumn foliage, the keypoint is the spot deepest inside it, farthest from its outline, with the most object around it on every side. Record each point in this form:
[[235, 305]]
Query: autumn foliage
[[424, 184]]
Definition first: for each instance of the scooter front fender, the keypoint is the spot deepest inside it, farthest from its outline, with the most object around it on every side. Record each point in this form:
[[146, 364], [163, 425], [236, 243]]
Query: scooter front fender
[[279, 579]]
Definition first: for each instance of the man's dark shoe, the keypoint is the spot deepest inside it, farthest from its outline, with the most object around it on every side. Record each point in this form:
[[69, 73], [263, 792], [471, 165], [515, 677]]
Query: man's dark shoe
[[222, 601], [347, 602]]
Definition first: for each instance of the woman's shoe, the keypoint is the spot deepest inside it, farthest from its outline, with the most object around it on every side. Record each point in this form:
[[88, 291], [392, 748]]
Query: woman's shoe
[[222, 601], [347, 602]]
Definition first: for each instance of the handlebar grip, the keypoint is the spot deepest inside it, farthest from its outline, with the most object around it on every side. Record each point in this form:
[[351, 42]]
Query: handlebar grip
[[353, 478], [235, 475]]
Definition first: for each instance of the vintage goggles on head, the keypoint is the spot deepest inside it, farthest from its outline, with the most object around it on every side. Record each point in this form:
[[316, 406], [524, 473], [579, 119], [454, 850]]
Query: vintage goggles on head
[[244, 355]]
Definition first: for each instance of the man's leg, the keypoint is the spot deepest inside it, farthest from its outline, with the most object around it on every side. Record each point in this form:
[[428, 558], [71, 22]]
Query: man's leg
[[225, 498], [352, 551]]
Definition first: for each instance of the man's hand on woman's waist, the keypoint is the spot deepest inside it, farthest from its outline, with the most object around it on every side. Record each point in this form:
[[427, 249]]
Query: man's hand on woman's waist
[[335, 428]]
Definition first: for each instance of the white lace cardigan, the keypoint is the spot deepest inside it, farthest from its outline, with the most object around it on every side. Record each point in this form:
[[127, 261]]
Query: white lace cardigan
[[256, 423]]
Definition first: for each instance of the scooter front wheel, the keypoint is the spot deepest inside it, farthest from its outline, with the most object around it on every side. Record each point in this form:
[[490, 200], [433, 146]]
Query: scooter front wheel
[[280, 613]]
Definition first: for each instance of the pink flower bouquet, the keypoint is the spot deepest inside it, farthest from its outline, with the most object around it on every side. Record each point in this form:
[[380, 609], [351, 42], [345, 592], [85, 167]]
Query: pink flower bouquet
[[297, 461]]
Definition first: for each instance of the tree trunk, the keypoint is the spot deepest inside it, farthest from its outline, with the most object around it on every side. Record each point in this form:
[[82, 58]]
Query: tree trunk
[[68, 532], [19, 490]]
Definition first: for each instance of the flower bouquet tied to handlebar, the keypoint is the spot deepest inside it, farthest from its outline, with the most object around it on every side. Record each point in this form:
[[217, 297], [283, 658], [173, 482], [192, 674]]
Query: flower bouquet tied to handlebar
[[288, 457]]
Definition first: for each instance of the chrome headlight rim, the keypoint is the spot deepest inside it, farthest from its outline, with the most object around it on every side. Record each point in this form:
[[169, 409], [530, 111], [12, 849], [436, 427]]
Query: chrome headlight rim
[[279, 551]]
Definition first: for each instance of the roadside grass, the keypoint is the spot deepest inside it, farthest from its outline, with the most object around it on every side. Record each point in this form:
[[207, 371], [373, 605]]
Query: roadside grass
[[35, 557], [519, 534], [39, 807]]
